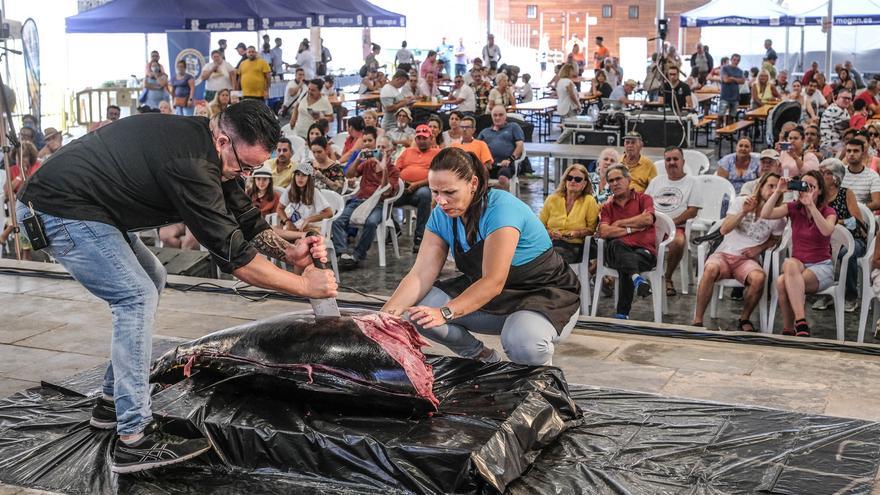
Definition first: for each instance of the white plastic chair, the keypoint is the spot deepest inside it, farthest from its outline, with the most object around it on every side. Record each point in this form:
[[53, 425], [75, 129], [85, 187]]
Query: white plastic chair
[[840, 238], [702, 254], [583, 272], [665, 230], [387, 224], [339, 139], [865, 269], [514, 181], [337, 204], [695, 162], [715, 191]]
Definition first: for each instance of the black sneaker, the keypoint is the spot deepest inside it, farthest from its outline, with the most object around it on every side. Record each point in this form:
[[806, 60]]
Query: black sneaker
[[155, 449], [103, 414]]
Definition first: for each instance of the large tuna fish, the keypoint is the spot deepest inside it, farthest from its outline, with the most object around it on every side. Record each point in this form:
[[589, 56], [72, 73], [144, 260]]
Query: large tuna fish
[[372, 360]]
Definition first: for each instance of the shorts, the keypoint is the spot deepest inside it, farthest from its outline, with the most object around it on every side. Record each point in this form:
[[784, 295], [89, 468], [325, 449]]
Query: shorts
[[734, 266], [727, 107], [824, 272]]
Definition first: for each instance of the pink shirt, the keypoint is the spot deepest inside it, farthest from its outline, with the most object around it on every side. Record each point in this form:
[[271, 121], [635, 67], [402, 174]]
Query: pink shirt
[[808, 244], [788, 164]]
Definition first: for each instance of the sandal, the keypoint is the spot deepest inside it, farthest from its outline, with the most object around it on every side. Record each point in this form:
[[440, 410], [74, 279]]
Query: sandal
[[787, 331], [746, 323], [670, 289]]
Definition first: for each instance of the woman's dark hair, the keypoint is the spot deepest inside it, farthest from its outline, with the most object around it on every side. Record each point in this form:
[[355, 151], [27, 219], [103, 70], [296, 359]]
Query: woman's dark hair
[[252, 122], [457, 114], [439, 140], [371, 131], [797, 129], [820, 201], [317, 126], [465, 165], [306, 195], [252, 191], [319, 141], [317, 82]]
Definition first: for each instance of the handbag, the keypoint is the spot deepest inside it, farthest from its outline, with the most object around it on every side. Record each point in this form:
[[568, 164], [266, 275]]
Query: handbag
[[360, 214], [180, 101]]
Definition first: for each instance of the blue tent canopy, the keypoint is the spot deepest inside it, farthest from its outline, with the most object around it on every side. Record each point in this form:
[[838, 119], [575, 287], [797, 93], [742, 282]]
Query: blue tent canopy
[[848, 13], [157, 16]]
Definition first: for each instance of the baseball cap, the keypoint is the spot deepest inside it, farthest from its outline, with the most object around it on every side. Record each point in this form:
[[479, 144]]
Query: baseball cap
[[423, 131], [406, 111], [632, 135], [240, 45], [262, 172], [770, 153], [305, 168]]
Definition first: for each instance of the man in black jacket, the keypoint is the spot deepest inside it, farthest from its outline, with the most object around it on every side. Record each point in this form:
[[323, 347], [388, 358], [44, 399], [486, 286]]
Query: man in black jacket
[[140, 173]]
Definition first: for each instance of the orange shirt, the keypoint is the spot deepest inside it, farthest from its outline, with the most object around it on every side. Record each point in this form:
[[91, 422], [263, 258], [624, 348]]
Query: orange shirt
[[599, 56], [414, 163], [477, 147]]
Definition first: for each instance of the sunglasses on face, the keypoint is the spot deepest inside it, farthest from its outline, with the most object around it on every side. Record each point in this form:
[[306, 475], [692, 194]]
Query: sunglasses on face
[[466, 126], [577, 180], [873, 134]]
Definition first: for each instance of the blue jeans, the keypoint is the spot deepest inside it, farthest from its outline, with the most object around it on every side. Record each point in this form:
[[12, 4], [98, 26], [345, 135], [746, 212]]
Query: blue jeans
[[528, 337], [421, 199], [129, 278], [368, 230], [460, 69], [186, 111]]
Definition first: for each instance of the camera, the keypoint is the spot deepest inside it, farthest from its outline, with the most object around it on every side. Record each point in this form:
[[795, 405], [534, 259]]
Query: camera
[[798, 185], [784, 146], [377, 154]]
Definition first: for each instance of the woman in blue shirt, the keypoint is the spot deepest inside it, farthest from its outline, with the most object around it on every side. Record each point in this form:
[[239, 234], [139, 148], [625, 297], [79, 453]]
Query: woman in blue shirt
[[184, 89], [513, 283]]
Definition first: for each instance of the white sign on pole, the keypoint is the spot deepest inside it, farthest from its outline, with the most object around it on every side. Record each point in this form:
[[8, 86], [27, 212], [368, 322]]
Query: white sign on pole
[[592, 20], [634, 57]]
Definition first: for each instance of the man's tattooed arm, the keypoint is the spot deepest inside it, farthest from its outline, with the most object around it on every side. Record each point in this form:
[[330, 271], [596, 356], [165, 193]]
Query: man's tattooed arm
[[270, 244]]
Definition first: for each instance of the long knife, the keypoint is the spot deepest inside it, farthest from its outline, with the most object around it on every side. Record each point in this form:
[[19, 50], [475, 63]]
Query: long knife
[[323, 307]]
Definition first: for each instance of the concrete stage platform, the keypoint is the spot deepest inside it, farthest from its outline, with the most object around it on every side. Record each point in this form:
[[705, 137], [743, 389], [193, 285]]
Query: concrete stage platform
[[54, 328]]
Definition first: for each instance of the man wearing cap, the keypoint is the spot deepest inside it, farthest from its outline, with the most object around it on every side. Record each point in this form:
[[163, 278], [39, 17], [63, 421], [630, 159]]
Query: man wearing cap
[[281, 167], [506, 142], [241, 48], [621, 93], [376, 169], [392, 100], [138, 173], [255, 76], [641, 169], [413, 164], [769, 162], [401, 134], [52, 138]]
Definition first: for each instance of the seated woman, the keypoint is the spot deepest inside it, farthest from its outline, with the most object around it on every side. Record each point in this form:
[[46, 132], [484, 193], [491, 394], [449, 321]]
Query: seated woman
[[607, 158], [843, 202], [739, 167], [746, 237], [219, 103], [763, 92], [794, 160], [303, 207], [261, 190], [571, 213], [513, 283], [600, 87], [454, 133], [435, 123], [809, 269], [371, 119], [328, 172]]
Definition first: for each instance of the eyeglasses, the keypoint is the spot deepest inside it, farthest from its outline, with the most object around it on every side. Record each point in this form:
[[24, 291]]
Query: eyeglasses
[[577, 180], [244, 168], [873, 134], [466, 127]]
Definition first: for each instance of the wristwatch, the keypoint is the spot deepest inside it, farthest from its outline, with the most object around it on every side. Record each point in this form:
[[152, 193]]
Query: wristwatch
[[446, 313]]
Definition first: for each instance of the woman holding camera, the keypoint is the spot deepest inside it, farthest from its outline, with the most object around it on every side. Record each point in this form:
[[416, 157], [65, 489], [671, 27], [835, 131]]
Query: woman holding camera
[[809, 269], [513, 283], [793, 159]]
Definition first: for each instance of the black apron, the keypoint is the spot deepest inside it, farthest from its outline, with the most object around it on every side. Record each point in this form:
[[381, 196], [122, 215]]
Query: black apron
[[544, 285]]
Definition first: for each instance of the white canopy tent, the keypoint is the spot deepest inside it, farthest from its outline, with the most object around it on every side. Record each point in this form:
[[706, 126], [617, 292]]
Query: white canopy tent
[[853, 32]]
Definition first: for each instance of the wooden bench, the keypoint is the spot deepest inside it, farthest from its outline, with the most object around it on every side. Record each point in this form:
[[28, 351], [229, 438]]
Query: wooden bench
[[731, 132], [705, 124]]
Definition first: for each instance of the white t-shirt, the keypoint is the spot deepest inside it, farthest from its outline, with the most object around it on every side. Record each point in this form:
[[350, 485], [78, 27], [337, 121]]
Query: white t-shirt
[[304, 118], [292, 85], [296, 212], [389, 95], [750, 232], [564, 105], [306, 60], [220, 79], [525, 91], [673, 197], [404, 56], [425, 90], [470, 99], [862, 184]]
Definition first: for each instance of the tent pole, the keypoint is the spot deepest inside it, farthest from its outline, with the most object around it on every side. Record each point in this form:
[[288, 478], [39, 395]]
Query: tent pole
[[828, 39], [661, 14], [787, 65], [803, 53]]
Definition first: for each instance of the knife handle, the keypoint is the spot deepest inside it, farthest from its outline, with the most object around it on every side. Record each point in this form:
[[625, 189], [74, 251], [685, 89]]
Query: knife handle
[[318, 263]]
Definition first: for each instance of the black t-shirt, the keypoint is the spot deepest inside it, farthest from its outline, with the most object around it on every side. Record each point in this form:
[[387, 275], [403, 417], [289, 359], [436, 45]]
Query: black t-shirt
[[146, 171], [606, 90], [682, 95]]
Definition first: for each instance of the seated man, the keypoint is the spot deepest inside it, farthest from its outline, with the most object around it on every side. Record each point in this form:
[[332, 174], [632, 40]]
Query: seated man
[[677, 96], [768, 162], [623, 92], [506, 143], [463, 96], [746, 237], [282, 166], [626, 222], [475, 146], [375, 168], [402, 134], [677, 195], [413, 164]]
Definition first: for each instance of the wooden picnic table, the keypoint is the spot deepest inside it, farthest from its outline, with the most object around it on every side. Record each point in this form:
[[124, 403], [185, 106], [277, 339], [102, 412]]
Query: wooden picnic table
[[704, 97], [541, 112], [709, 90], [428, 105], [761, 112]]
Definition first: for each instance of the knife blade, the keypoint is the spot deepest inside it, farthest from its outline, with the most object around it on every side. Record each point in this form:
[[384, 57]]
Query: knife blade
[[327, 306]]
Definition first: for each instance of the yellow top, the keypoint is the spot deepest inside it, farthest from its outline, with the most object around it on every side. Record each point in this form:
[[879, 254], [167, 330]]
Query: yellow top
[[641, 174], [253, 77], [280, 178], [583, 215]]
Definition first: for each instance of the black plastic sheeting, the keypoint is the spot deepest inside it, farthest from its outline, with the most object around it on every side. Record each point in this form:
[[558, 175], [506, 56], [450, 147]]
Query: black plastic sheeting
[[626, 443]]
